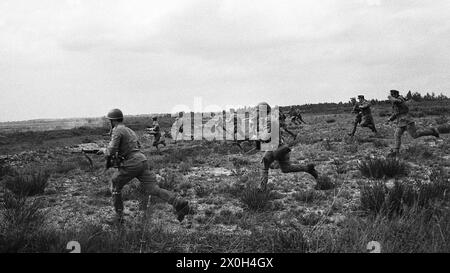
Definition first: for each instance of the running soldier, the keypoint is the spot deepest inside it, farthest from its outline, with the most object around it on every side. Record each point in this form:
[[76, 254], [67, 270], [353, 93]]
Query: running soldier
[[296, 116], [124, 145], [404, 122], [155, 130], [363, 115], [281, 154]]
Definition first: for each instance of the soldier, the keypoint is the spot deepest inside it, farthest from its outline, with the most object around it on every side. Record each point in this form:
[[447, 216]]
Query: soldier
[[362, 109], [156, 131], [358, 116], [281, 154], [405, 122], [296, 116], [125, 145]]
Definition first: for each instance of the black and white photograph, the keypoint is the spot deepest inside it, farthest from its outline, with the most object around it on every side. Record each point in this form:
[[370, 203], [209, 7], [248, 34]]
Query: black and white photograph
[[219, 127]]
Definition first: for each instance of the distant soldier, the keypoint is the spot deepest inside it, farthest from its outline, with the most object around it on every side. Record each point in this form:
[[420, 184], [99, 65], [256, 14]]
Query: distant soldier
[[296, 116], [404, 121], [363, 115], [358, 116], [155, 130], [281, 154], [125, 148]]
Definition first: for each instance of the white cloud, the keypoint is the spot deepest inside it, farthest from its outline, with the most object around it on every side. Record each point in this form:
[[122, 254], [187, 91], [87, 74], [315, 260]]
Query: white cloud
[[147, 56]]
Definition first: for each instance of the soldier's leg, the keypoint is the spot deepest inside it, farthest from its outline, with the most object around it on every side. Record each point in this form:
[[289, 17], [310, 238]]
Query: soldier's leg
[[414, 133], [398, 138], [355, 124], [118, 181], [266, 161], [148, 178], [287, 167]]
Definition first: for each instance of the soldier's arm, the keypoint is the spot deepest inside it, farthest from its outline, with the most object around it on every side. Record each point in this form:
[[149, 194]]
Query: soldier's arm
[[393, 99], [113, 146]]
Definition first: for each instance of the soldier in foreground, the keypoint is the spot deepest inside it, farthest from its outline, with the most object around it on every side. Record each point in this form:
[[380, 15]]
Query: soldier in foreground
[[363, 115], [404, 121], [281, 154], [133, 163]]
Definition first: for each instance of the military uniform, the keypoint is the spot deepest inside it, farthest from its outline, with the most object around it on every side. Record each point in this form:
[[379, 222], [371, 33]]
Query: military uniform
[[358, 117], [405, 122], [281, 154], [124, 143], [366, 115], [157, 134], [363, 115]]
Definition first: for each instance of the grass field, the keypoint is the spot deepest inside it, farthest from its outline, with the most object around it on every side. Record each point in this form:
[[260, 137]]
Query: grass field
[[51, 195]]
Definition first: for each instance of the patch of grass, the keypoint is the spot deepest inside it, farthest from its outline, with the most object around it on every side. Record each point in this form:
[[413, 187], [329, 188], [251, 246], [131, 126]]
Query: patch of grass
[[6, 170], [417, 152], [185, 167], [415, 231], [378, 143], [201, 191], [170, 180], [377, 198], [324, 183], [307, 196], [444, 128], [441, 120], [27, 182], [381, 168], [255, 199]]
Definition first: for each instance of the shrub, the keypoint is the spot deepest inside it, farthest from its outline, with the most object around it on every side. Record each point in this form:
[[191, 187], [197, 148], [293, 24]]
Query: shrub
[[324, 183], [307, 196], [417, 152], [255, 199], [6, 170], [441, 120], [28, 182], [170, 180], [444, 128], [381, 168], [379, 199]]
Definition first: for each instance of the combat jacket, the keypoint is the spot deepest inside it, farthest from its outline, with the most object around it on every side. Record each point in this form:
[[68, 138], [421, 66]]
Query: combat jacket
[[401, 111], [125, 143]]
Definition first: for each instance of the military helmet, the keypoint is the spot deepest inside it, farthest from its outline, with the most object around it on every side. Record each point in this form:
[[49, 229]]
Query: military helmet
[[360, 96], [114, 114], [353, 99], [155, 118], [394, 92]]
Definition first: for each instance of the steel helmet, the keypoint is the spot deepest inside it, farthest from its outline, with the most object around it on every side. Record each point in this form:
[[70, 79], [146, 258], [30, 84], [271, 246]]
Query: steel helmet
[[394, 92], [360, 96], [114, 114]]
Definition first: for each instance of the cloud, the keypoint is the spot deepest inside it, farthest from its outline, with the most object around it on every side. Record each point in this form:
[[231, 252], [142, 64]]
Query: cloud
[[148, 56]]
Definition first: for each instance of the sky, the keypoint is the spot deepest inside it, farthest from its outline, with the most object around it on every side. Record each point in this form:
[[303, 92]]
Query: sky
[[77, 58]]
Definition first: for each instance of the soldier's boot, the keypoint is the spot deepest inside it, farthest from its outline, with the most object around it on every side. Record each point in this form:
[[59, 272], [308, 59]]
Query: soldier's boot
[[118, 207], [181, 207], [428, 132], [312, 171], [286, 167]]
